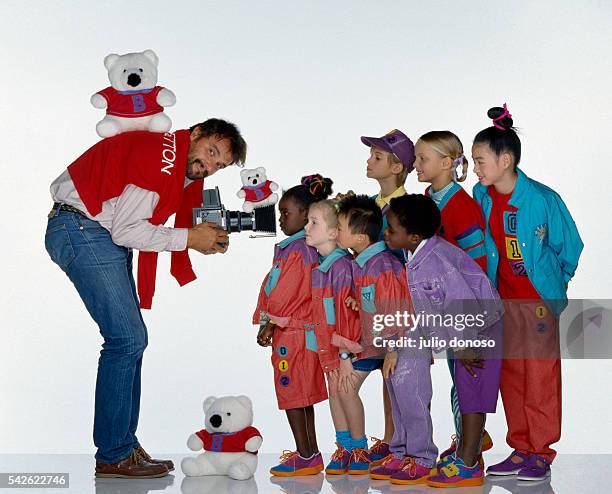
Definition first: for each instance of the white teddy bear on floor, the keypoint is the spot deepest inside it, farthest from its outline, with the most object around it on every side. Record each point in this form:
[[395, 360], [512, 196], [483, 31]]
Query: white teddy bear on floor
[[133, 101], [229, 441]]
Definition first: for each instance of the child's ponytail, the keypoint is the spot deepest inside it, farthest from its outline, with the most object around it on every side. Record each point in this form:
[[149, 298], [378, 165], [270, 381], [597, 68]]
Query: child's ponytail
[[501, 137], [313, 188]]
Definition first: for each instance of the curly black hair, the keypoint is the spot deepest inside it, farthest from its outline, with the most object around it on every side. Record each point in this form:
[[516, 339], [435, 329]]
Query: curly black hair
[[418, 214]]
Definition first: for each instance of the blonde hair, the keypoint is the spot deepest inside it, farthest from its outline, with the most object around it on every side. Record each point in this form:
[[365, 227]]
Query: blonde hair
[[448, 145], [329, 210]]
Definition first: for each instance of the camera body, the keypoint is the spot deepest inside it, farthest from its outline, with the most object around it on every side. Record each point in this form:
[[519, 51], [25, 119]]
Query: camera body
[[261, 220]]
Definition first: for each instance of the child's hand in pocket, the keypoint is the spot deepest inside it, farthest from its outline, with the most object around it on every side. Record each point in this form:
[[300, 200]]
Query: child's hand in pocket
[[389, 364], [351, 302], [470, 360]]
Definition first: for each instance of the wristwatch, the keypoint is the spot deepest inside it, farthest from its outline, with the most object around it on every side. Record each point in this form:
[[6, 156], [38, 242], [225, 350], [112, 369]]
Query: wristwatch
[[345, 355]]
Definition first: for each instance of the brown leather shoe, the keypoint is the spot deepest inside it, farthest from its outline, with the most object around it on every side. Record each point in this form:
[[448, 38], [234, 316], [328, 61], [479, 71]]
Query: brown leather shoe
[[133, 467], [169, 463]]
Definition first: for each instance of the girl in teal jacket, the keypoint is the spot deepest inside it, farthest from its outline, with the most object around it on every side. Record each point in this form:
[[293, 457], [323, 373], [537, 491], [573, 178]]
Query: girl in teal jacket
[[532, 247]]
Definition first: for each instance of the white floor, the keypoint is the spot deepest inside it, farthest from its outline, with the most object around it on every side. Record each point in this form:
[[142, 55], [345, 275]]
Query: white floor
[[575, 474]]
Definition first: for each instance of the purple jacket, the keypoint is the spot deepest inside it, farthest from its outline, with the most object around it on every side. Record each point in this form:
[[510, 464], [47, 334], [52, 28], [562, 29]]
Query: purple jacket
[[447, 284]]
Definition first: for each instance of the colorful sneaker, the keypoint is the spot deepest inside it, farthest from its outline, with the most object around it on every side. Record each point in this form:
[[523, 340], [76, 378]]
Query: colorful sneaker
[[378, 452], [359, 462], [291, 464], [457, 474], [339, 461], [412, 473], [443, 461], [508, 466], [391, 465], [487, 444], [536, 468]]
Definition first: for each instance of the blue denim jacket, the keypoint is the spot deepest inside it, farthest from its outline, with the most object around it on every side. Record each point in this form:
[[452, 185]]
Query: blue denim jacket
[[443, 279], [547, 235]]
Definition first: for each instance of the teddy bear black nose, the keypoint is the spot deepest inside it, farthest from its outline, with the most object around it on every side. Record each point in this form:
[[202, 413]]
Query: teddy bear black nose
[[254, 181], [215, 420], [134, 80]]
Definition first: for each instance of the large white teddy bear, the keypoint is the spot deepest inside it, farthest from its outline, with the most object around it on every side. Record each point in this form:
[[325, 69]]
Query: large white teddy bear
[[257, 191], [229, 441], [133, 101]]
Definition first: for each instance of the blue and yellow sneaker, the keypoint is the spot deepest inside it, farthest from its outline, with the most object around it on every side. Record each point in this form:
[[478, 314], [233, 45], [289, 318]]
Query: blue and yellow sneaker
[[457, 474]]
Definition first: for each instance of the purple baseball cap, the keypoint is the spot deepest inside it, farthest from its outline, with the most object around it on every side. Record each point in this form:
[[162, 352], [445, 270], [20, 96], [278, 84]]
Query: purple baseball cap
[[395, 142]]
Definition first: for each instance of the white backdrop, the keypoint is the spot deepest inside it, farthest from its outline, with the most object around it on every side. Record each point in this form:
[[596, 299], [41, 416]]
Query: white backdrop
[[303, 82]]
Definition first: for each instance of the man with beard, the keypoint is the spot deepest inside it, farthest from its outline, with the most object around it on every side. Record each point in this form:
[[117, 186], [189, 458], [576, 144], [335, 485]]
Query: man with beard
[[115, 198]]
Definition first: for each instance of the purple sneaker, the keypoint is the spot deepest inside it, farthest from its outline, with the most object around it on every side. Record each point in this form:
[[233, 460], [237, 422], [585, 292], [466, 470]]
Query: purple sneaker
[[509, 467], [390, 466], [536, 468]]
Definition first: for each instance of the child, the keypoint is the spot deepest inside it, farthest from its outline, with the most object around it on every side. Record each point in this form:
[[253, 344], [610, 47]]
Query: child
[[284, 312], [379, 289], [391, 160], [337, 333], [439, 275], [438, 155], [533, 248]]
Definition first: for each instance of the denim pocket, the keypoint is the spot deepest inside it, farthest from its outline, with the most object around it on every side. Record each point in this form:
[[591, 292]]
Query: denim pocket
[[434, 294], [59, 247], [368, 295]]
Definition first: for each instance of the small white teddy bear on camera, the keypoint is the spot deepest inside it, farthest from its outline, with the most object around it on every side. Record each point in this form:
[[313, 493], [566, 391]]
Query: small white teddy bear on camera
[[229, 441], [133, 101], [257, 191]]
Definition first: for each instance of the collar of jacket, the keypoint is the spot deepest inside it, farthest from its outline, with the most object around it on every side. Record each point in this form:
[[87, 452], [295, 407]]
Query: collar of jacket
[[422, 253], [292, 238], [370, 251], [520, 194], [331, 258]]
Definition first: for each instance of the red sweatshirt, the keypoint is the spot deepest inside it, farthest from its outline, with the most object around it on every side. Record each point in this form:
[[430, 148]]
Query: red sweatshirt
[[151, 161]]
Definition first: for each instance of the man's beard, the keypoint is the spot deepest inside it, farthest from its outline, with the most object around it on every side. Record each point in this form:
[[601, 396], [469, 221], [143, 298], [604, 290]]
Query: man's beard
[[189, 171]]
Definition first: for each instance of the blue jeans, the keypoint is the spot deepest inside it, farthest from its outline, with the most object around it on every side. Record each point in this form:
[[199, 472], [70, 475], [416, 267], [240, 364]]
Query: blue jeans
[[101, 271]]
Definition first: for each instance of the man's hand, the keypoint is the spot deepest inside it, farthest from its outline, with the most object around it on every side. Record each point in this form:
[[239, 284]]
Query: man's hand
[[207, 238]]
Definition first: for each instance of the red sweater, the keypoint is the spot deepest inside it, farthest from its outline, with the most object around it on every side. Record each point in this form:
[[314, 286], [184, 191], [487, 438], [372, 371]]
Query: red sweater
[[151, 161], [462, 223], [228, 442]]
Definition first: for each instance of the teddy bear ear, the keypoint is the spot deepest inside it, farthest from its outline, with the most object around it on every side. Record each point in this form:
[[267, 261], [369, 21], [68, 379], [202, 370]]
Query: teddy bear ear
[[150, 54], [109, 60], [245, 401], [244, 173], [208, 403], [261, 169]]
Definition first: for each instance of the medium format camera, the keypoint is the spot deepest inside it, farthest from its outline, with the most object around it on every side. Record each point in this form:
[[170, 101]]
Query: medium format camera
[[261, 220]]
